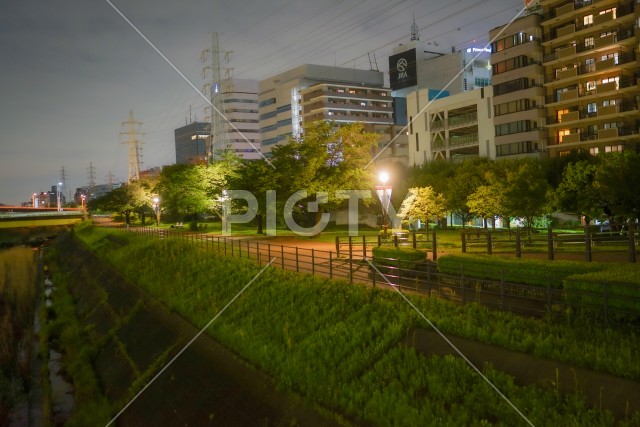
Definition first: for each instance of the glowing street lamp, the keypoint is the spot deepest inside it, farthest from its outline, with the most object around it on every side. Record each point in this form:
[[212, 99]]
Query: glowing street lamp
[[59, 197], [82, 199], [384, 193], [156, 208]]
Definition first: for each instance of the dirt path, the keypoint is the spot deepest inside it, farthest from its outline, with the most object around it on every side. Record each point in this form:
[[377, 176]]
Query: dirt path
[[600, 389]]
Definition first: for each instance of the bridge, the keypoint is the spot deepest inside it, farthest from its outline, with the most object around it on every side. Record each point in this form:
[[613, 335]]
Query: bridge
[[30, 209]]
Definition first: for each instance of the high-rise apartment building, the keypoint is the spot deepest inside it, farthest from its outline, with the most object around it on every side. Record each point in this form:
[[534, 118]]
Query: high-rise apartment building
[[591, 65], [337, 94], [518, 88]]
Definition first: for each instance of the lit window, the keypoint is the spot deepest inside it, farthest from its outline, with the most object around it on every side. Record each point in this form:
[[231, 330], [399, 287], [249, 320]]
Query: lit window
[[587, 20]]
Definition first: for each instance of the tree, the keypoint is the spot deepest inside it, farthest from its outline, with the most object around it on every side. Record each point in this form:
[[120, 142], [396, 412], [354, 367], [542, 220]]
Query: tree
[[526, 190], [328, 157], [130, 198], [189, 190], [576, 191], [424, 204], [617, 180], [486, 202], [256, 177], [467, 177]]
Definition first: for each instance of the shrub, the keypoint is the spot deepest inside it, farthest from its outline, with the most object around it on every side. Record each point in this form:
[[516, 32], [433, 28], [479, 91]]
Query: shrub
[[515, 270], [617, 289]]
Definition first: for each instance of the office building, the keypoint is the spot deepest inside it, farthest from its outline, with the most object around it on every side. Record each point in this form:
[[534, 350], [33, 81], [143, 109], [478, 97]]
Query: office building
[[240, 105], [191, 142], [284, 100], [455, 127]]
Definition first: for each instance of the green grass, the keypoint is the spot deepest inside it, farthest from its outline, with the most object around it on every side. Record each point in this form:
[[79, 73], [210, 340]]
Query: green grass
[[337, 344]]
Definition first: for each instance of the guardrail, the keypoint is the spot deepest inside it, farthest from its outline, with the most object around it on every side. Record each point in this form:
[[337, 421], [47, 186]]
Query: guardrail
[[604, 299]]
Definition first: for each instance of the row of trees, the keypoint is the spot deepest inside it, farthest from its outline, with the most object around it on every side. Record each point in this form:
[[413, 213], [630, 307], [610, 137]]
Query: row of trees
[[327, 159], [331, 158], [604, 186]]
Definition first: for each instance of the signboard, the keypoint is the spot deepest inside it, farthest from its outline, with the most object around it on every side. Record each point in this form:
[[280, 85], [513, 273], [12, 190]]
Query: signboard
[[403, 70]]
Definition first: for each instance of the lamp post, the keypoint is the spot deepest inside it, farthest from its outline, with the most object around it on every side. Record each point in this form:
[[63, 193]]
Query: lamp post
[[156, 208], [384, 195], [59, 196], [82, 200]]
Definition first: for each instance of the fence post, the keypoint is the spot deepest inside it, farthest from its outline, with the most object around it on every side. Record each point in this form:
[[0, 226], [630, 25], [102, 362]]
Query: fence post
[[338, 245], [313, 262], [489, 245], [297, 265], [518, 244], [269, 251], [350, 261], [587, 243], [399, 273], [606, 300], [550, 244], [501, 289], [282, 255], [330, 266], [462, 283], [379, 240], [414, 239], [631, 230], [435, 246], [548, 294], [240, 248], [464, 242], [429, 279], [395, 240], [364, 246]]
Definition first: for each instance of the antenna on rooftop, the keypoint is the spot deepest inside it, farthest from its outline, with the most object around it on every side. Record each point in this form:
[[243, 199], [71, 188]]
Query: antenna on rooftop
[[415, 35]]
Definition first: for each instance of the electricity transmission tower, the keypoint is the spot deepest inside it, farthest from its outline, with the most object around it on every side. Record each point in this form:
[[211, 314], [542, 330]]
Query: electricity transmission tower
[[132, 130], [91, 171], [219, 135]]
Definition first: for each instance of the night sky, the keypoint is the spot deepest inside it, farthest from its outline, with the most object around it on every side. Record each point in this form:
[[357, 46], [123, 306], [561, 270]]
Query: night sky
[[71, 70]]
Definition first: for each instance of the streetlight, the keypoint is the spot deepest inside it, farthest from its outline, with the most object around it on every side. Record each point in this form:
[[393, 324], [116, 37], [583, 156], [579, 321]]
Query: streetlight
[[156, 208], [82, 199], [384, 193], [59, 197], [33, 199]]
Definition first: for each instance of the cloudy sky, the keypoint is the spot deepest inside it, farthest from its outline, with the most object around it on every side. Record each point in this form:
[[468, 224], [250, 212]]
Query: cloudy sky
[[71, 70]]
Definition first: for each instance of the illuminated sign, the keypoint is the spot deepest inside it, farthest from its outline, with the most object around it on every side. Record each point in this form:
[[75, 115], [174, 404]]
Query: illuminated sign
[[403, 70], [478, 49]]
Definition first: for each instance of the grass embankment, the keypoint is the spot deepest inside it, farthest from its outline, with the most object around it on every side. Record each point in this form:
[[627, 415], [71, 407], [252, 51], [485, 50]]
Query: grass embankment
[[63, 331], [339, 344], [17, 299]]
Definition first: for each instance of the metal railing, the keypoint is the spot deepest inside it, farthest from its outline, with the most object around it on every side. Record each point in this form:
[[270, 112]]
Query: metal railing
[[356, 266]]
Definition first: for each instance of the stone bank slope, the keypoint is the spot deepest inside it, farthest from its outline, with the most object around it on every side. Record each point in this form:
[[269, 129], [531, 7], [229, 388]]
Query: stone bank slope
[[134, 336]]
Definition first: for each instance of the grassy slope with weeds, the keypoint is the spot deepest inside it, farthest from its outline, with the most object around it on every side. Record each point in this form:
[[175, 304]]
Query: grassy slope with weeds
[[17, 301], [338, 343]]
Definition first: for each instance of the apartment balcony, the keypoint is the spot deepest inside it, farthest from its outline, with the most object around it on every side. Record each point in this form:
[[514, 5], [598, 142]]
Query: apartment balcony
[[455, 142], [623, 134], [562, 77], [321, 94], [566, 10], [455, 122], [624, 36], [602, 113], [625, 84], [624, 13]]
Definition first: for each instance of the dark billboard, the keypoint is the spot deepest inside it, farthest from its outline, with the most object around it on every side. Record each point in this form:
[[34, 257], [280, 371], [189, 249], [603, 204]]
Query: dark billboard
[[403, 70]]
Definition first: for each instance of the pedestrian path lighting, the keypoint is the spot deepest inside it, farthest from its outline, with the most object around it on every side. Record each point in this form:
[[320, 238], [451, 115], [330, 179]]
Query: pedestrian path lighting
[[156, 208], [384, 194], [59, 196]]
